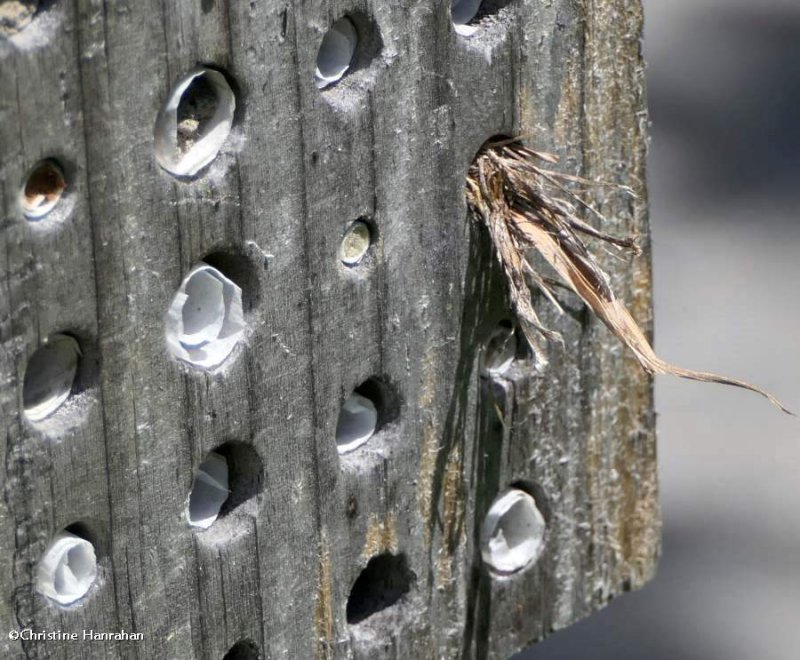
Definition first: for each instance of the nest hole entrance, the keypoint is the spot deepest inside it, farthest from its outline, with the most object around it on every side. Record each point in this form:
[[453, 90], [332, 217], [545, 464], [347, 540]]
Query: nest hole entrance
[[336, 52], [512, 534], [68, 568], [501, 349], [229, 477], [365, 412], [385, 580], [196, 110], [205, 320], [356, 242], [50, 377], [243, 650], [195, 122], [467, 15], [42, 190]]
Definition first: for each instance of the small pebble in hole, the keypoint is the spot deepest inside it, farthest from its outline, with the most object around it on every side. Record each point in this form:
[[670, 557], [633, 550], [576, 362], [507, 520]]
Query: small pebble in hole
[[355, 243], [67, 569], [42, 190], [512, 534], [50, 376], [209, 491], [336, 53]]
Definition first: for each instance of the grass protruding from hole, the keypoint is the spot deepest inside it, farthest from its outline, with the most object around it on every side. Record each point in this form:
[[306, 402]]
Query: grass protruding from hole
[[382, 583]]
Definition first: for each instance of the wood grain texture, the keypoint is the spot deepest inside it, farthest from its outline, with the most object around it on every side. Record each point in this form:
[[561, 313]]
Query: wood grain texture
[[391, 144]]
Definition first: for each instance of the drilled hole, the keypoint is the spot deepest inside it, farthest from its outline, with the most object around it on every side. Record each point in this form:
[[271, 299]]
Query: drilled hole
[[209, 491], [462, 13], [195, 122], [243, 650], [68, 568], [384, 581], [512, 534], [501, 350], [355, 243], [468, 15], [336, 52], [50, 376], [206, 318], [42, 190], [368, 408], [229, 477]]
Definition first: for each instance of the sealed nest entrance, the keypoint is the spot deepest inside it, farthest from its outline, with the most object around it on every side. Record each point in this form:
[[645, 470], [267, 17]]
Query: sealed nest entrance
[[16, 15], [42, 190]]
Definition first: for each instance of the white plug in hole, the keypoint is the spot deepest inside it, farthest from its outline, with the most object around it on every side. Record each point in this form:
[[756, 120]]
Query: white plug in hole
[[67, 569], [358, 420], [512, 534], [462, 13], [336, 52], [205, 320], [209, 491], [49, 376]]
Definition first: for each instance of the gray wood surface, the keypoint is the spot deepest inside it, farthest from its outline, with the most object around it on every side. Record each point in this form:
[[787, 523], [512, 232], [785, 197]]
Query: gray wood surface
[[83, 83]]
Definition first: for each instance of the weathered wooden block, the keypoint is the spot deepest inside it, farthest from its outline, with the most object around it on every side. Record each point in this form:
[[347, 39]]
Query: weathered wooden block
[[374, 552]]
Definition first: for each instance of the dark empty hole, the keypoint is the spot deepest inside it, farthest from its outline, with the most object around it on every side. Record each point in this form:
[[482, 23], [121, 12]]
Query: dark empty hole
[[245, 474], [384, 581], [241, 271], [243, 650], [196, 109], [82, 530], [379, 393]]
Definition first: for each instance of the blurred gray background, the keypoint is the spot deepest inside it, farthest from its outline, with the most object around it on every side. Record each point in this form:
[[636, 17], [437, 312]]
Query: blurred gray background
[[724, 91]]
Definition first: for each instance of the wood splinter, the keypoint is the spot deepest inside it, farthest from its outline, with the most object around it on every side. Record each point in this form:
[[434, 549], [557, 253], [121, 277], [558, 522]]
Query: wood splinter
[[526, 207]]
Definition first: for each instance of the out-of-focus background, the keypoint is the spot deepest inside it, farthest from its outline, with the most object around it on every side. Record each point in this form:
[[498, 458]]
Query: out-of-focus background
[[724, 91]]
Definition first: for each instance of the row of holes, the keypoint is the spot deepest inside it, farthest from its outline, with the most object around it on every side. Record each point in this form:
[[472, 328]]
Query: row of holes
[[512, 538], [336, 50], [198, 115]]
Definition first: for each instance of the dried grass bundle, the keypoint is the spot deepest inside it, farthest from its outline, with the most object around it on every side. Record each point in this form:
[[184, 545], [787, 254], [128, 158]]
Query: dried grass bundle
[[527, 207]]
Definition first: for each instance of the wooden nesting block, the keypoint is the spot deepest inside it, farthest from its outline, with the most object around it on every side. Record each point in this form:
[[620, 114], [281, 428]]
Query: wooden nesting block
[[465, 503]]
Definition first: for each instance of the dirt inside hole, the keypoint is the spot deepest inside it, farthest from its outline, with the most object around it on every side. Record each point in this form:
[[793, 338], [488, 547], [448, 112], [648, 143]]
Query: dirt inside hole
[[44, 186], [16, 15], [195, 112]]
